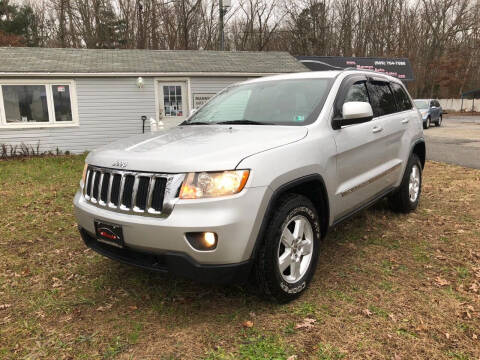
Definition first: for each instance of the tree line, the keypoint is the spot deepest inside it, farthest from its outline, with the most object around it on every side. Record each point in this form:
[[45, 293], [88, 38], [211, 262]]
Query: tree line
[[440, 37]]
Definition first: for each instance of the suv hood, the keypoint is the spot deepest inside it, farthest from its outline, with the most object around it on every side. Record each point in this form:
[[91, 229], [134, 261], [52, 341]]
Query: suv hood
[[194, 148]]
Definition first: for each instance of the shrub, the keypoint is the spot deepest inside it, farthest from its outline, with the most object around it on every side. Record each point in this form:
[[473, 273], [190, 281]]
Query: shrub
[[9, 151]]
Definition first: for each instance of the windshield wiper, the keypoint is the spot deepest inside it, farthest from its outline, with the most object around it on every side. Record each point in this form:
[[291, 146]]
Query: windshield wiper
[[196, 123], [242, 122]]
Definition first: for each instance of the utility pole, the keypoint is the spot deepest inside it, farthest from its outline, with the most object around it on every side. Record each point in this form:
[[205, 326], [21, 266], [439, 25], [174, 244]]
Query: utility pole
[[223, 5], [222, 31]]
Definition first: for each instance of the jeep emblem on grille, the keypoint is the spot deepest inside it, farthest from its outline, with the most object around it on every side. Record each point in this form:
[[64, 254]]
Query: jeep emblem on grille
[[120, 164]]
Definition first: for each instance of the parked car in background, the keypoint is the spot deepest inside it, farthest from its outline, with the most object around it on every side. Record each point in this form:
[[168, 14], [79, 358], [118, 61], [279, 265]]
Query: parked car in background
[[248, 185], [431, 111]]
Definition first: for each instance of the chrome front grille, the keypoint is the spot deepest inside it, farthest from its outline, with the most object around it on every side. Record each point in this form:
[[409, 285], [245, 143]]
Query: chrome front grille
[[132, 191]]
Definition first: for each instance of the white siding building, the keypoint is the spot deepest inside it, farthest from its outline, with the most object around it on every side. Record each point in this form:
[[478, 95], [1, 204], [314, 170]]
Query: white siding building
[[78, 99]]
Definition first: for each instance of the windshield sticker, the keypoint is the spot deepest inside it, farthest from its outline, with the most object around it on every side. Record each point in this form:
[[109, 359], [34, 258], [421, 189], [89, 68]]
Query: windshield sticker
[[300, 118]]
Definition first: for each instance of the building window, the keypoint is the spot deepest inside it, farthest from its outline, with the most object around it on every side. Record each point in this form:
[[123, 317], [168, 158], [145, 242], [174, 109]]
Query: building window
[[61, 102], [26, 104], [172, 100]]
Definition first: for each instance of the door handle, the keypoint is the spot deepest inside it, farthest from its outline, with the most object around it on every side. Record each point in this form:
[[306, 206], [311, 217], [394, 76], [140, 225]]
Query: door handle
[[405, 121], [377, 129]]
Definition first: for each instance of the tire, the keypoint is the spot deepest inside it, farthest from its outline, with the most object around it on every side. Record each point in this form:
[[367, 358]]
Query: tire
[[426, 124], [438, 123], [405, 199], [291, 211]]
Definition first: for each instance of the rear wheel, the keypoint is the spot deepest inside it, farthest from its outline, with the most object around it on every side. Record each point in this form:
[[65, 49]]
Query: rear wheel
[[407, 196], [439, 121], [288, 257]]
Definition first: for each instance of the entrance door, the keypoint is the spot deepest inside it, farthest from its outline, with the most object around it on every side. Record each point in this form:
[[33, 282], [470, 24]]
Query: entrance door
[[172, 102]]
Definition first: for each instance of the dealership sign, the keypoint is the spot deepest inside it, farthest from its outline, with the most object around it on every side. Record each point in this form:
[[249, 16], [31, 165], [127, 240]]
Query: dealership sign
[[399, 68], [200, 99]]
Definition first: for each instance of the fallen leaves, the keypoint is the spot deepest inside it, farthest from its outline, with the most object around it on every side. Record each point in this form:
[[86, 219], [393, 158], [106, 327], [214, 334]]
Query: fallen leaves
[[56, 283], [468, 312], [5, 306], [422, 327], [6, 320], [475, 287], [367, 312], [104, 308], [307, 323], [441, 281], [247, 324]]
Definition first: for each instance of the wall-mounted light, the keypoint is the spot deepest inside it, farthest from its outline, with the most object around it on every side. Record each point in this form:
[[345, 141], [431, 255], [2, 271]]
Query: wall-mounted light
[[140, 82]]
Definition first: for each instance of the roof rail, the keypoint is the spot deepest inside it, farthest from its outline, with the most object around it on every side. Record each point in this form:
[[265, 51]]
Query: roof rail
[[367, 70]]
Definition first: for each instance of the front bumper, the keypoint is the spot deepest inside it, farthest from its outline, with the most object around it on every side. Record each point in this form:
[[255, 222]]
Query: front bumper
[[172, 262], [236, 220]]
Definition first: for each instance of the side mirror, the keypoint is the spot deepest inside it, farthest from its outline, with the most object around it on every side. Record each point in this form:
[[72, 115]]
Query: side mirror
[[354, 112]]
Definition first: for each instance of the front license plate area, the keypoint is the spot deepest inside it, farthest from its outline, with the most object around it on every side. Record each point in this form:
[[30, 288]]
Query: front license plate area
[[108, 233]]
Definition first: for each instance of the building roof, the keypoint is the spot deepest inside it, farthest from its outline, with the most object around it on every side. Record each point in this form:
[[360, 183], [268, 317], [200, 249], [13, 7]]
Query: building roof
[[47, 61]]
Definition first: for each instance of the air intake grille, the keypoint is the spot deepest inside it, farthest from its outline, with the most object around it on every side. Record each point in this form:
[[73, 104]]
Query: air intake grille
[[127, 191]]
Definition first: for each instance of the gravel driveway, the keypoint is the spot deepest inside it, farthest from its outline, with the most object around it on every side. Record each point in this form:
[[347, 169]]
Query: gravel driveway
[[457, 141]]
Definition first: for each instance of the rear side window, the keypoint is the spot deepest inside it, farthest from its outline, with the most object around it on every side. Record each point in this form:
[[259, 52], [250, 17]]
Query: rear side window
[[381, 98], [403, 101]]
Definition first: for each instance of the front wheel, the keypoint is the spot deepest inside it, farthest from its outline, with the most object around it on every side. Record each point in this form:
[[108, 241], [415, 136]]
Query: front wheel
[[288, 256], [426, 124], [405, 199]]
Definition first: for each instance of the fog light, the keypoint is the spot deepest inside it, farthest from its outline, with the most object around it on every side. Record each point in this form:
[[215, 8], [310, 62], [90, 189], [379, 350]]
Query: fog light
[[210, 239], [203, 241]]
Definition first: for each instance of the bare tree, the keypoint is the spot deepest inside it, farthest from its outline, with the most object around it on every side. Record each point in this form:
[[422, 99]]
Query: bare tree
[[440, 37]]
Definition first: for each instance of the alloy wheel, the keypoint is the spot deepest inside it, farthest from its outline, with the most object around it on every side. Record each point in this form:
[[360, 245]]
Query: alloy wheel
[[295, 249], [414, 183]]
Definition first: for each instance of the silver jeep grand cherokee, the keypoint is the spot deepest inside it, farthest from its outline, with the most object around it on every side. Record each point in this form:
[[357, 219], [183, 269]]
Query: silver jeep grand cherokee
[[249, 184]]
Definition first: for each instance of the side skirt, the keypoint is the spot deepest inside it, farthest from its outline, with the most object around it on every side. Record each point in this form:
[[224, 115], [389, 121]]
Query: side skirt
[[364, 206]]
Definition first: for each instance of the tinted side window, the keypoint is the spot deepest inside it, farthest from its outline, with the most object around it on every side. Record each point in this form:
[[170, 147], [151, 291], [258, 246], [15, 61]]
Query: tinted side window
[[357, 92], [403, 101], [381, 98]]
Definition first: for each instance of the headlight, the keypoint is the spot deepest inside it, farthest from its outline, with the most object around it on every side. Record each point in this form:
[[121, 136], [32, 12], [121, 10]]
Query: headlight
[[84, 175], [213, 184]]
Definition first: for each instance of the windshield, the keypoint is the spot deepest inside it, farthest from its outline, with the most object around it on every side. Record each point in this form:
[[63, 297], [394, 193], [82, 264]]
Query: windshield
[[421, 104], [276, 102]]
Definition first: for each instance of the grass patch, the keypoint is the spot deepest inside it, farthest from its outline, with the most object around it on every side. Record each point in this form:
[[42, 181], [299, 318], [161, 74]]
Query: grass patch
[[328, 352], [254, 347], [462, 272], [385, 284]]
